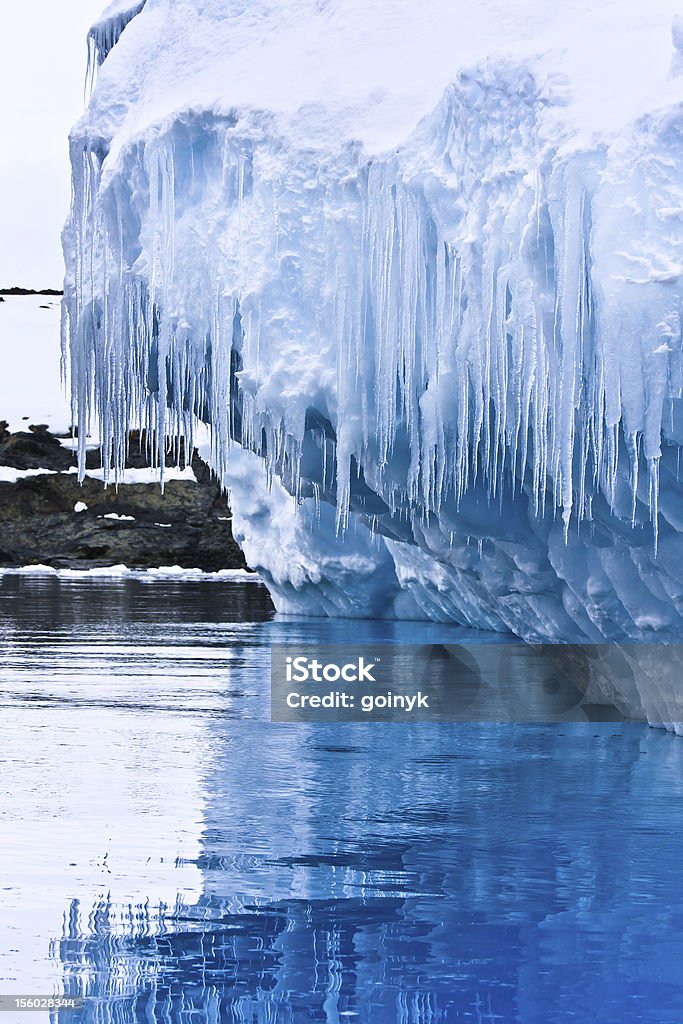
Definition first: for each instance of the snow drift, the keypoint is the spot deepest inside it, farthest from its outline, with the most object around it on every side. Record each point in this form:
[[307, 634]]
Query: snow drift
[[420, 268]]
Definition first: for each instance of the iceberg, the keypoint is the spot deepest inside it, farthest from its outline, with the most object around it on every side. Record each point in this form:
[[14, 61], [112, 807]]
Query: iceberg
[[419, 267]]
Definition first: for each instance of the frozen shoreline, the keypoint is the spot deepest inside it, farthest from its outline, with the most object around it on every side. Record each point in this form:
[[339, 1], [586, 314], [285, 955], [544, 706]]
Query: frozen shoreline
[[115, 572]]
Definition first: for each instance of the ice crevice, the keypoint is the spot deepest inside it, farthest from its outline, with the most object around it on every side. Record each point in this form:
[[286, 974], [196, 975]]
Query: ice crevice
[[443, 378]]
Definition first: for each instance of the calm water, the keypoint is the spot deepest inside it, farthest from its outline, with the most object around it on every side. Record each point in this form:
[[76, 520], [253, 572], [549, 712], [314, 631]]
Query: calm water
[[174, 857]]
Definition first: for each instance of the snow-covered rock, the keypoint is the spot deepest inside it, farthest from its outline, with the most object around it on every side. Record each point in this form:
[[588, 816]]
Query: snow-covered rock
[[420, 267]]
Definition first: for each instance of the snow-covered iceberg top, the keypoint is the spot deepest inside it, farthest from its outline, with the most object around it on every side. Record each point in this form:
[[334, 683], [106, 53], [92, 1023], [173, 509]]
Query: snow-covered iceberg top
[[420, 267], [335, 71]]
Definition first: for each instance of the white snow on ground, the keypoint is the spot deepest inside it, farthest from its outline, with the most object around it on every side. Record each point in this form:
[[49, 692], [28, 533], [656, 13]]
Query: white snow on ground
[[128, 476], [175, 572], [9, 475], [70, 444], [147, 475]]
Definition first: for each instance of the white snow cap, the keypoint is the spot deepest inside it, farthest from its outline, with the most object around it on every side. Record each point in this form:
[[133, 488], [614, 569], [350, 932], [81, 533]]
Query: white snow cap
[[351, 70]]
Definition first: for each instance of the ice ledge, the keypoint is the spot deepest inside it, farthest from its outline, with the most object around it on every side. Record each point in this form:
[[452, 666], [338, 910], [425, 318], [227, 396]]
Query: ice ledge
[[106, 32]]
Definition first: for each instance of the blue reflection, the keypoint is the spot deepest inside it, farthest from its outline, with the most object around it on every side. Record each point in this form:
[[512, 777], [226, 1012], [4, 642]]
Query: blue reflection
[[388, 873]]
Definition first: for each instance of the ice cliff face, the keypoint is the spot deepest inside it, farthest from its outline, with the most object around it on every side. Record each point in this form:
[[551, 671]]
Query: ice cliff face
[[420, 267]]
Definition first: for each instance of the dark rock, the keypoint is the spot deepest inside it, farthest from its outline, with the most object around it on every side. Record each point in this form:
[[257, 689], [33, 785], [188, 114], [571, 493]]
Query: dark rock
[[30, 291], [34, 449], [187, 525], [38, 525]]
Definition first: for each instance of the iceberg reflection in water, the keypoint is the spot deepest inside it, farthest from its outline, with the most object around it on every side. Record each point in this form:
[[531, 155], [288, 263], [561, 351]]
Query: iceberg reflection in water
[[173, 856]]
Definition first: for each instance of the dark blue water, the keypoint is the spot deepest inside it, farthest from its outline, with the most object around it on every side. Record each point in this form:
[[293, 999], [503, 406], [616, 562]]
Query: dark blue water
[[173, 856]]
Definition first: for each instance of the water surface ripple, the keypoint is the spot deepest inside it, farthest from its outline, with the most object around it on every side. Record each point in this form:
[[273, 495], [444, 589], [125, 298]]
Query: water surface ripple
[[172, 856]]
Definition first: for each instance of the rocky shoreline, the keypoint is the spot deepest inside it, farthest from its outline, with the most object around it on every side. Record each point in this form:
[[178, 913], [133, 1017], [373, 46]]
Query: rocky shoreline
[[48, 518]]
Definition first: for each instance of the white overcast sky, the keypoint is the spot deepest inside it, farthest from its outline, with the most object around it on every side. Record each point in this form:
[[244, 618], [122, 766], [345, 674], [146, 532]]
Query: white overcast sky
[[42, 69]]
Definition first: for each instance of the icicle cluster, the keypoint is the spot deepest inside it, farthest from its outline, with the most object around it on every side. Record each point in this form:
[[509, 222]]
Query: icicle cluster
[[387, 335]]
